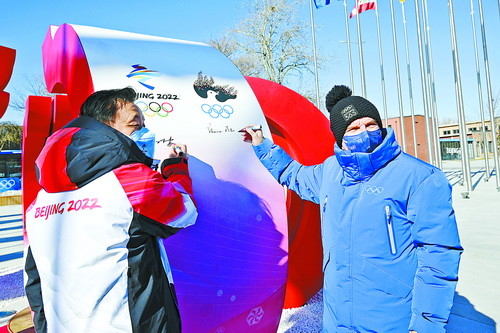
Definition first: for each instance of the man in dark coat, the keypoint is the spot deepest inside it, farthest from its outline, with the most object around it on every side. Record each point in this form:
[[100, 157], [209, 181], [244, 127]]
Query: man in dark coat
[[96, 261]]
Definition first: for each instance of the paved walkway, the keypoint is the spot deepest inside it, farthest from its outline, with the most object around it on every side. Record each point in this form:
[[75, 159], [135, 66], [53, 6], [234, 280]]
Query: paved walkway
[[477, 301]]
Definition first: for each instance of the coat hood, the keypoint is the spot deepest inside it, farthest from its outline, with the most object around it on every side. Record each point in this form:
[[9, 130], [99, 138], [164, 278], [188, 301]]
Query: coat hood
[[82, 151], [361, 166]]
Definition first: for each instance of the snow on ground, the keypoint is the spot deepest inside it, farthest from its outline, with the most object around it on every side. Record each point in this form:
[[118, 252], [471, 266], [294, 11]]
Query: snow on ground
[[12, 296], [307, 318]]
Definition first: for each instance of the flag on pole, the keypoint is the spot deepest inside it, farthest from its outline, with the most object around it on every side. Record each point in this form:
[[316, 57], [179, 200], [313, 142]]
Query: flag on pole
[[362, 5], [401, 0], [321, 3]]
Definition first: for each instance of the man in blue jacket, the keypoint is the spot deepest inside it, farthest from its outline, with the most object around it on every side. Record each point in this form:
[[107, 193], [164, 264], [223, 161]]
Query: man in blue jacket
[[390, 242]]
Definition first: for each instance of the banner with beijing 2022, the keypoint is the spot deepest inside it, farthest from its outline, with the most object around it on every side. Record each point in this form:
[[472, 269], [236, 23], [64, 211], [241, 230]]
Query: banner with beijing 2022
[[229, 269]]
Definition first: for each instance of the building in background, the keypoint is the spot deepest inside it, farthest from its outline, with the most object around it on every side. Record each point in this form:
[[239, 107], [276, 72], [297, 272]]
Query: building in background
[[421, 137], [449, 136]]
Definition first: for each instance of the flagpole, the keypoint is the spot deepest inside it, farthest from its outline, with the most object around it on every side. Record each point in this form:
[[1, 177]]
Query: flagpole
[[432, 88], [490, 97], [425, 54], [423, 84], [398, 78], [480, 94], [314, 54], [381, 60], [410, 88], [348, 46], [460, 107], [360, 48]]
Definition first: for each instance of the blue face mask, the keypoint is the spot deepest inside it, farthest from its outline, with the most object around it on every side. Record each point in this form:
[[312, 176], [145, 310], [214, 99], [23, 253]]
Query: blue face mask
[[145, 140], [364, 142]]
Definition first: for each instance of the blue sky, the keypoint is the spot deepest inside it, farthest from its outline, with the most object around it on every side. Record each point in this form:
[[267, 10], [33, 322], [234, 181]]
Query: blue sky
[[26, 22]]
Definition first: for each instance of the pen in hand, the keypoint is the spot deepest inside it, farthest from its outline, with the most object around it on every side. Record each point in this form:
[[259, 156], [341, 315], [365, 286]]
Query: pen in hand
[[178, 150], [254, 128]]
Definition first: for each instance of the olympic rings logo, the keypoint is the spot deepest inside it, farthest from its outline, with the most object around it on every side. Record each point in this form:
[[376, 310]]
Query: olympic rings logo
[[373, 189], [216, 111], [6, 184], [154, 108]]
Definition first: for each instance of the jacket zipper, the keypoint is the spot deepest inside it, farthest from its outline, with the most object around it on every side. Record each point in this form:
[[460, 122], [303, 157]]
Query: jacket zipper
[[390, 229], [351, 292], [323, 210]]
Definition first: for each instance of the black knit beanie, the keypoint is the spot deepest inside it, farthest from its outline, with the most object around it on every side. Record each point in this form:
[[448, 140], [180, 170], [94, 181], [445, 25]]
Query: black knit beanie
[[345, 108]]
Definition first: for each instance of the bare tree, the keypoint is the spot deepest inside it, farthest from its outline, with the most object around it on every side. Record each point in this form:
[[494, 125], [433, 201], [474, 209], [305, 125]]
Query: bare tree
[[270, 43], [447, 120], [247, 64], [11, 135], [224, 44], [496, 104], [496, 115], [33, 85]]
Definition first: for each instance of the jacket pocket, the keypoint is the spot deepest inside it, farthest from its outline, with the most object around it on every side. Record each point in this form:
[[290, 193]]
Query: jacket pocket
[[384, 281], [390, 229], [326, 259]]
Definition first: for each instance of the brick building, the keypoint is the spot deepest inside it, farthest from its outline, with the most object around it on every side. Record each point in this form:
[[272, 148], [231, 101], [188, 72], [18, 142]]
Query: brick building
[[449, 137], [421, 137]]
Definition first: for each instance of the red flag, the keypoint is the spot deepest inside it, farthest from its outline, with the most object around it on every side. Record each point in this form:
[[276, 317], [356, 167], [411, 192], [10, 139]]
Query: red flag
[[362, 5]]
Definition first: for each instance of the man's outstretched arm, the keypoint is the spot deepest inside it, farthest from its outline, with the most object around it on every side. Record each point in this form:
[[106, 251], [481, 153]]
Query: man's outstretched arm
[[303, 180]]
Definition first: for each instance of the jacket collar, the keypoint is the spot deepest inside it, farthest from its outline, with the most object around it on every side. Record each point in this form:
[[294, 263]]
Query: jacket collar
[[361, 166], [82, 151]]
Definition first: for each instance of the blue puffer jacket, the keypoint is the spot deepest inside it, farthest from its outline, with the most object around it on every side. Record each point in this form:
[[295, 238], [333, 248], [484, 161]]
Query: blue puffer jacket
[[390, 241]]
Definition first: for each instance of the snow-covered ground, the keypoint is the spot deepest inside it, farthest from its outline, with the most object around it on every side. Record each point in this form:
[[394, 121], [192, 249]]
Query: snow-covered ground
[[307, 318]]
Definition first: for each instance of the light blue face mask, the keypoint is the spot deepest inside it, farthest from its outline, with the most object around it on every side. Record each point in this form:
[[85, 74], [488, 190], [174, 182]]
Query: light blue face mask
[[364, 142], [145, 140]]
